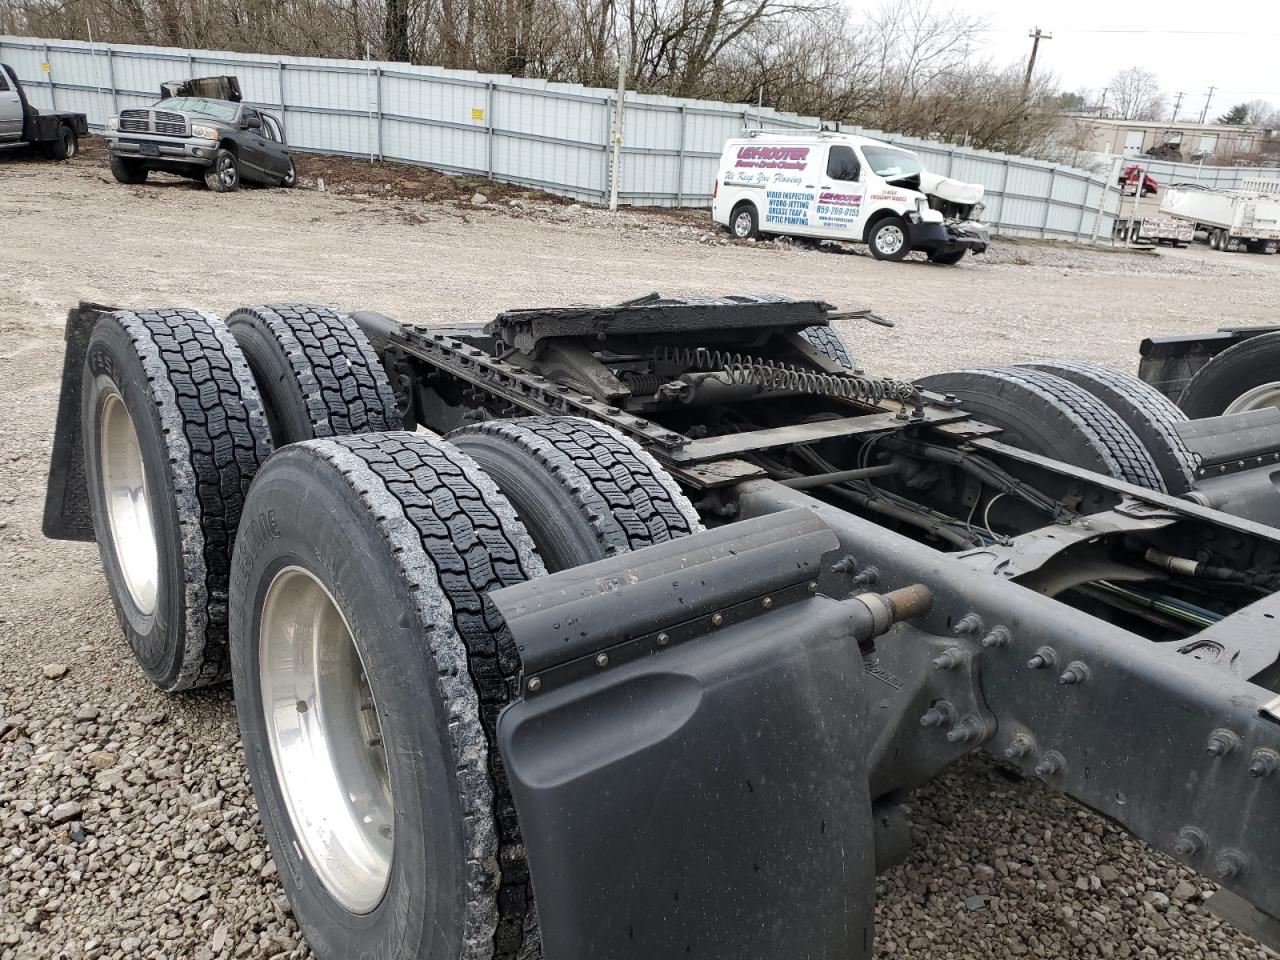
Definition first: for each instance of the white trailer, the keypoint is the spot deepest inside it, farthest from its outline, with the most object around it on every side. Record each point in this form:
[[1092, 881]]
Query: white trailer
[[1155, 230], [1247, 219]]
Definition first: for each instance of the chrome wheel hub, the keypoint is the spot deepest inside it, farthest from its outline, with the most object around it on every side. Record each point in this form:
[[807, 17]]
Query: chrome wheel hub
[[742, 225], [124, 488], [227, 172], [1263, 395], [890, 239], [326, 739]]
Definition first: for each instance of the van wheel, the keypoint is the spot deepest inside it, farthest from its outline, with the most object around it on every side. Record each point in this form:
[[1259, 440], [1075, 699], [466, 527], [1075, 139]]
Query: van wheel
[[744, 222], [888, 240]]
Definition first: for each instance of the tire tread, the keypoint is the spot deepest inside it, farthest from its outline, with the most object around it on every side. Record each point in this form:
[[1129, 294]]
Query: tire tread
[[216, 432], [337, 372]]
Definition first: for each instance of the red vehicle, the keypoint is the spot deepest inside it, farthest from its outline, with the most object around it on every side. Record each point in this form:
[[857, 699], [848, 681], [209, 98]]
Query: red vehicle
[[1129, 179]]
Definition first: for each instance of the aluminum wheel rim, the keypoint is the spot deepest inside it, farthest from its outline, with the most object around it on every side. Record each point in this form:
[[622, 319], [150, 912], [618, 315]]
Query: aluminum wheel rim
[[326, 740], [1261, 396], [227, 172], [742, 225], [291, 175], [124, 488], [890, 239]]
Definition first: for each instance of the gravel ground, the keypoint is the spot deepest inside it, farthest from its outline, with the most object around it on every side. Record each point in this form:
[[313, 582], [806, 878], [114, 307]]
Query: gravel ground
[[128, 826]]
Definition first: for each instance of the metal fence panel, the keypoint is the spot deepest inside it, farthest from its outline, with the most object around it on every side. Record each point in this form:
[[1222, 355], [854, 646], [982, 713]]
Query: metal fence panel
[[554, 136]]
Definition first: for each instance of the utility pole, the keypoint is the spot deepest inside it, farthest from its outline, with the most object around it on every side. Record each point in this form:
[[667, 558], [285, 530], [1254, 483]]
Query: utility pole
[[1177, 104], [1036, 37], [1207, 100]]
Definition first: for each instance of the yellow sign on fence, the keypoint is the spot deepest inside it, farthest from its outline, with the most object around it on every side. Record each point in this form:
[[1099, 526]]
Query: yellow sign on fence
[[477, 113]]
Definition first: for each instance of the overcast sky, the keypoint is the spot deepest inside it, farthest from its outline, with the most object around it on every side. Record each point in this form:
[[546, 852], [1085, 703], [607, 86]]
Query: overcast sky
[[1184, 43]]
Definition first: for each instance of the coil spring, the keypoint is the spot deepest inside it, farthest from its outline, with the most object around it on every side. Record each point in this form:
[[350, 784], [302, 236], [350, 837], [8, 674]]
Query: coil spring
[[744, 369], [643, 383]]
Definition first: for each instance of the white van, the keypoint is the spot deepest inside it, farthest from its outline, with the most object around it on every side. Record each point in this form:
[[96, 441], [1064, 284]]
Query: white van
[[837, 186]]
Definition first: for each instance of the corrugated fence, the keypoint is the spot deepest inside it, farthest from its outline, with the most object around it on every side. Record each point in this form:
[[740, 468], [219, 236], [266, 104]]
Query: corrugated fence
[[549, 135]]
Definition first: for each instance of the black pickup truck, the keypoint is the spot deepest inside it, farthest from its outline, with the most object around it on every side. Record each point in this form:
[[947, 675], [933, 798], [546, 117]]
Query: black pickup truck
[[56, 134]]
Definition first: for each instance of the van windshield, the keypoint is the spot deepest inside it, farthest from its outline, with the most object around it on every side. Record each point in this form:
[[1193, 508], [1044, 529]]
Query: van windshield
[[892, 164]]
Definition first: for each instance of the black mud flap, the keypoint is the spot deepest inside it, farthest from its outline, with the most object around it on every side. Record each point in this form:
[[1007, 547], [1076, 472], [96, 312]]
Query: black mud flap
[[695, 787], [66, 499]]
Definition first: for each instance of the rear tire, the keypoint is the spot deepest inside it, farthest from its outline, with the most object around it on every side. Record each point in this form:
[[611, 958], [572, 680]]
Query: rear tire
[[397, 539], [947, 259], [830, 344], [888, 239], [1245, 376], [583, 490], [173, 434], [316, 371], [1147, 412], [127, 171], [1049, 416], [66, 145], [744, 222]]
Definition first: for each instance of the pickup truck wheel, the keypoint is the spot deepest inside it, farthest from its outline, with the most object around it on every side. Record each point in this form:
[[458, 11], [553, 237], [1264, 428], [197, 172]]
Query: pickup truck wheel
[[127, 171], [316, 371], [290, 178], [888, 240], [1147, 412], [1243, 377], [173, 434], [224, 175], [369, 676], [744, 222], [583, 490], [947, 258], [66, 145], [1044, 414]]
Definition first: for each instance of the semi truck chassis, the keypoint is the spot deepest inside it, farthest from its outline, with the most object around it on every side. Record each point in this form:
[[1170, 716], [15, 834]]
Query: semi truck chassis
[[723, 601]]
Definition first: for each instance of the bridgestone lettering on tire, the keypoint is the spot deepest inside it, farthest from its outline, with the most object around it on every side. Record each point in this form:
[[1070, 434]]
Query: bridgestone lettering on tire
[[1052, 417], [317, 372], [200, 436], [1151, 415], [413, 537], [583, 490]]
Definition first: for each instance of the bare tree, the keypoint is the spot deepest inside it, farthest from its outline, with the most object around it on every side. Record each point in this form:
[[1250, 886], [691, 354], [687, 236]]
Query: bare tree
[[1135, 94]]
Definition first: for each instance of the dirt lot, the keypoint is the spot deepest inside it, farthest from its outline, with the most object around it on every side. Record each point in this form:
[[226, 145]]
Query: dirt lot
[[128, 826]]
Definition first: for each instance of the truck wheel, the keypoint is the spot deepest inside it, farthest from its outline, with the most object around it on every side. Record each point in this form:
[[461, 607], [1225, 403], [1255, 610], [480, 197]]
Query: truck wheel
[[947, 259], [173, 434], [1151, 415], [290, 177], [888, 239], [1243, 377], [369, 677], [1052, 417], [744, 222], [66, 145], [830, 344], [316, 371], [126, 171], [583, 490], [224, 175]]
